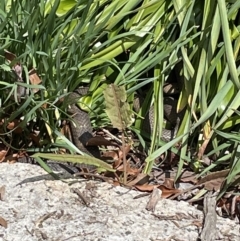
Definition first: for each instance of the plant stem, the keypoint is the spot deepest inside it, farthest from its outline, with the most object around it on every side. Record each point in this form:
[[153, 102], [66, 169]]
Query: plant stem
[[124, 160]]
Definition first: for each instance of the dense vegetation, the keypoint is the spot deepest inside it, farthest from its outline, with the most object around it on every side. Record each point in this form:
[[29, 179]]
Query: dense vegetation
[[138, 44]]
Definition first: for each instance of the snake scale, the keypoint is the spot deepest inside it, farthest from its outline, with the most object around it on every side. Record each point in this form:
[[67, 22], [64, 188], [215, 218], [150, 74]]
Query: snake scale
[[170, 112], [82, 132], [81, 129]]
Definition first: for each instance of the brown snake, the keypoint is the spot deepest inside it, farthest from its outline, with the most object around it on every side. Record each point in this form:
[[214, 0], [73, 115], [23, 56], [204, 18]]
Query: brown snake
[[170, 112], [81, 132], [81, 129]]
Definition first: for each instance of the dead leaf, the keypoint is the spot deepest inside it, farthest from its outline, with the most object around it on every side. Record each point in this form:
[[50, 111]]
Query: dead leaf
[[221, 202], [214, 185], [3, 222], [167, 192], [127, 149], [141, 179], [203, 148], [169, 183], [146, 187], [45, 105], [237, 208], [3, 154], [130, 170], [9, 56], [214, 175], [65, 130], [11, 158], [188, 176], [34, 79], [191, 178], [111, 155], [213, 181], [15, 125]]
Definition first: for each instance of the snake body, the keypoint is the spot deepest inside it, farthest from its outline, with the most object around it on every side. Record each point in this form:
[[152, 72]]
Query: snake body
[[170, 112], [81, 132], [81, 129]]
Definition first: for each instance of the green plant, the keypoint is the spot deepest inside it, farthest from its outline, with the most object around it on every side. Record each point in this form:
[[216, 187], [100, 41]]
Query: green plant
[[138, 44]]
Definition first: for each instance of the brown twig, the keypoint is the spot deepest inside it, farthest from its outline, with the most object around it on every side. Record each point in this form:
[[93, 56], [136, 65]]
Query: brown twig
[[81, 196]]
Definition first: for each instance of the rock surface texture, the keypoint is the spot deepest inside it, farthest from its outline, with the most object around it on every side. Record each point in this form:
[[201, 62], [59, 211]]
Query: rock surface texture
[[36, 207]]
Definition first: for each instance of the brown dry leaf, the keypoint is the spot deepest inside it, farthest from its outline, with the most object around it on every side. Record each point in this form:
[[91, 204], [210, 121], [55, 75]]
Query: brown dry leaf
[[188, 176], [146, 187], [119, 157], [17, 68], [127, 149], [214, 175], [191, 178], [213, 181], [214, 185], [112, 155], [237, 208], [119, 163], [15, 125], [141, 179], [65, 130], [3, 154], [34, 79], [9, 56], [116, 183], [168, 183], [3, 222], [2, 193], [167, 192], [203, 148], [11, 158], [221, 202], [130, 170]]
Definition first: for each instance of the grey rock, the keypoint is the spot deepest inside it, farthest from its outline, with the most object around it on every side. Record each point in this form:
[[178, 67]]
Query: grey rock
[[36, 207]]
